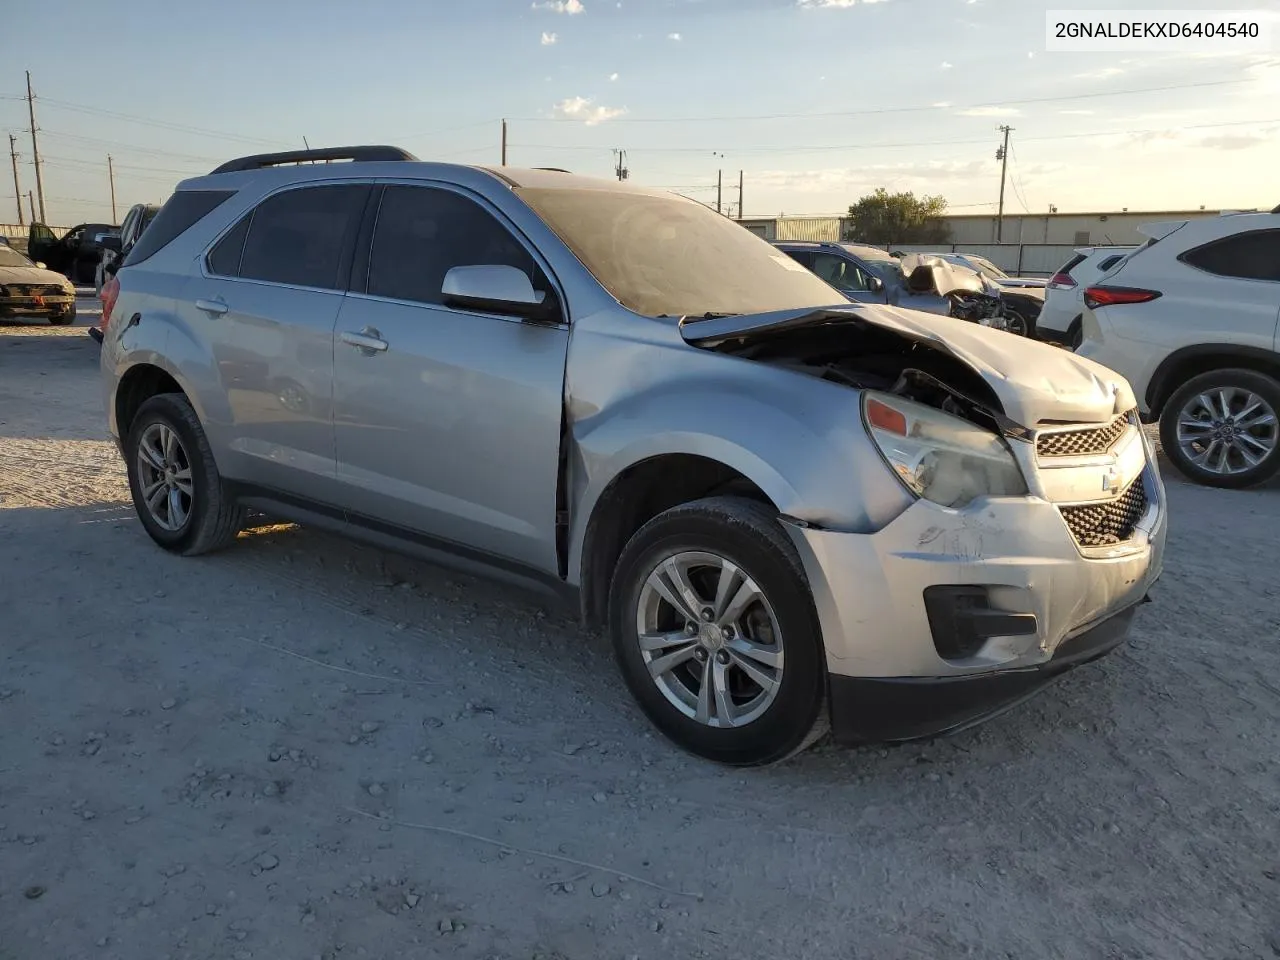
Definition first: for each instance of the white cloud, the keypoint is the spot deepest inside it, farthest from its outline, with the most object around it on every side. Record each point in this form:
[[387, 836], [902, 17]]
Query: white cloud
[[944, 65], [989, 112], [560, 6], [613, 76], [673, 36], [831, 4], [584, 109], [941, 104], [549, 38], [1076, 113]]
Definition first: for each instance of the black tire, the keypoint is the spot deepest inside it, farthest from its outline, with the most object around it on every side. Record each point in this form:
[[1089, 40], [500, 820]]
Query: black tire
[[1075, 333], [214, 518], [1265, 387], [746, 533], [62, 319]]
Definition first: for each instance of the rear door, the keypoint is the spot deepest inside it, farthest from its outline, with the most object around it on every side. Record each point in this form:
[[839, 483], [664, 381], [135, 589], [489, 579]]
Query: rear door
[[40, 241], [848, 276], [448, 421], [266, 301]]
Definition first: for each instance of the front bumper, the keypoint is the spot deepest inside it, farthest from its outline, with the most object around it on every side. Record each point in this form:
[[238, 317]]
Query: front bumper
[[28, 307], [1044, 592], [877, 710]]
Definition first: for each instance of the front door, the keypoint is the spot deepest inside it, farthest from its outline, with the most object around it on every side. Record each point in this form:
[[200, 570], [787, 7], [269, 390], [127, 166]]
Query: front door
[[40, 243], [266, 302], [447, 422], [847, 277]]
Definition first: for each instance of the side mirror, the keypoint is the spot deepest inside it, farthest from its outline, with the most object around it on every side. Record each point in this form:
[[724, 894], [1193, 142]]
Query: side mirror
[[875, 284], [495, 289]]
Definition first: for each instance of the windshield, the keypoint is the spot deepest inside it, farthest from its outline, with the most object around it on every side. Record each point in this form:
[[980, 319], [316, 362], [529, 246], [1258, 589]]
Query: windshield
[[667, 256], [989, 268], [12, 258]]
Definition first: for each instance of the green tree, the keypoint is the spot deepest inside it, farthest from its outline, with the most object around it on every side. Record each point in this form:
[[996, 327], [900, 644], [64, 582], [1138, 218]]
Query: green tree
[[883, 217]]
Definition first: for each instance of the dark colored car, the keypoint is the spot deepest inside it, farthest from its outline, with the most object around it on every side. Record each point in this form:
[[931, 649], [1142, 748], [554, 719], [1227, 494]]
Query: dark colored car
[[75, 255]]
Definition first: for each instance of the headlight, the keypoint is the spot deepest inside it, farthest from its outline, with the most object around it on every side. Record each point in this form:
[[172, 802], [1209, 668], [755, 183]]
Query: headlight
[[940, 457]]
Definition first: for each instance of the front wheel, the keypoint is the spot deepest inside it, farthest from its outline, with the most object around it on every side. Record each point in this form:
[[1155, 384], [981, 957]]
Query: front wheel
[[62, 319], [715, 632], [1222, 428]]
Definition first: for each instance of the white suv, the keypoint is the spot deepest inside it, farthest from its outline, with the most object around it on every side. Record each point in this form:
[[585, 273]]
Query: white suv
[[1061, 316], [1190, 319]]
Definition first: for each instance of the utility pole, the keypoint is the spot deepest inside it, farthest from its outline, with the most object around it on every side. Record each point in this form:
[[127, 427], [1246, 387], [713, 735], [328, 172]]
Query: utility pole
[[741, 208], [111, 176], [622, 170], [504, 143], [1002, 154], [719, 188], [35, 147], [31, 202], [17, 190]]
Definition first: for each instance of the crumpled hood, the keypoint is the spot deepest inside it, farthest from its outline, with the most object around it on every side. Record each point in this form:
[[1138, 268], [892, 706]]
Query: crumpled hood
[[30, 275], [1036, 384]]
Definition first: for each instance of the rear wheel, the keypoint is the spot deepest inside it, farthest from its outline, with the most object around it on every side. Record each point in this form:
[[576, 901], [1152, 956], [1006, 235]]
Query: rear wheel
[[180, 497], [1222, 428], [716, 634]]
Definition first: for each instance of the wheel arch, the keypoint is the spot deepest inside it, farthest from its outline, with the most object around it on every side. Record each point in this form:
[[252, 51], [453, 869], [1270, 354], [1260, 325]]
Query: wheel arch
[[647, 487], [1181, 365]]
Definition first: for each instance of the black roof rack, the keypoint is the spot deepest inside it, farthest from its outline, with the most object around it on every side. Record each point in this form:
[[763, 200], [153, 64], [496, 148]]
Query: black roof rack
[[554, 169], [260, 160]]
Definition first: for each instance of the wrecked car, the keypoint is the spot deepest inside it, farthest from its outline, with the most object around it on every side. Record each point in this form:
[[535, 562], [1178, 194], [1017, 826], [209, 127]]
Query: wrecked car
[[789, 514], [973, 295]]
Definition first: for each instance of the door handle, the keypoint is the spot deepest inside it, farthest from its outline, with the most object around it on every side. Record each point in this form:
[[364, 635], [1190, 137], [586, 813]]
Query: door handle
[[215, 308], [367, 340]]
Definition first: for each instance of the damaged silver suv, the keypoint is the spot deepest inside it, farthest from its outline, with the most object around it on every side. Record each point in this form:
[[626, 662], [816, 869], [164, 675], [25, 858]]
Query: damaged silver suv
[[790, 511]]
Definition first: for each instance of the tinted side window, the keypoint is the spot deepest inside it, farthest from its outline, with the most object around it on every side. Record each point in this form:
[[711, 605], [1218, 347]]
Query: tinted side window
[[1254, 255], [1110, 262], [423, 233], [299, 236], [840, 273], [224, 258], [181, 212], [802, 257]]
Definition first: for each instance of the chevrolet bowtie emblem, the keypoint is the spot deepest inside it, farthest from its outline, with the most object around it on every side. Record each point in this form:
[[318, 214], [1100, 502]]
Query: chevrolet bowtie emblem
[[1111, 481]]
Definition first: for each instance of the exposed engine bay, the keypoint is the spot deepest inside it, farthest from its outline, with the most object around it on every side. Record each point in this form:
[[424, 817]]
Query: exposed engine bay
[[867, 357]]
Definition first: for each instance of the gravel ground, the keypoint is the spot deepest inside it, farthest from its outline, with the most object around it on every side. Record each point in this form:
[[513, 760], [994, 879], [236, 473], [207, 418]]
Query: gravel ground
[[304, 748]]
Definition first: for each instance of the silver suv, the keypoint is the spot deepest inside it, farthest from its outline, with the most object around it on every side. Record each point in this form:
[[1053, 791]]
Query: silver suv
[[786, 508]]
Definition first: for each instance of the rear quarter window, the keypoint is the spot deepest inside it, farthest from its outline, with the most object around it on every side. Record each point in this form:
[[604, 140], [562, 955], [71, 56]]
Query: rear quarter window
[[1252, 255], [182, 211]]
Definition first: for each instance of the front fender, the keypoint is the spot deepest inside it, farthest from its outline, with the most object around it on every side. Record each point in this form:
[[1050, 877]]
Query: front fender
[[801, 440]]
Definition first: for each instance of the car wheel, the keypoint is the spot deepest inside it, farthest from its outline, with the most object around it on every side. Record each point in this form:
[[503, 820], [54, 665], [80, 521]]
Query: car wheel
[[179, 495], [62, 319], [1222, 428], [716, 634], [1075, 333]]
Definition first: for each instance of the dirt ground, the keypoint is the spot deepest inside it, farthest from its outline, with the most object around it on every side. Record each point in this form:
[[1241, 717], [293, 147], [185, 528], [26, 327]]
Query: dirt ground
[[302, 748]]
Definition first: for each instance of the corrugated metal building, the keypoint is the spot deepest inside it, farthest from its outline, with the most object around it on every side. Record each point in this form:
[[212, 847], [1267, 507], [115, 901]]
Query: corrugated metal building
[[1059, 229]]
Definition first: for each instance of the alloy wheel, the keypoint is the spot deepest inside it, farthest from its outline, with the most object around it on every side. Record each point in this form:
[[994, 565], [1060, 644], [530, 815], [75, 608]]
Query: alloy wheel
[[164, 477], [710, 639], [1227, 430]]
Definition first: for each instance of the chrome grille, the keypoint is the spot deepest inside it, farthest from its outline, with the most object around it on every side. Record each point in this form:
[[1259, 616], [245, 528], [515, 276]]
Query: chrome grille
[[1081, 443], [1107, 522]]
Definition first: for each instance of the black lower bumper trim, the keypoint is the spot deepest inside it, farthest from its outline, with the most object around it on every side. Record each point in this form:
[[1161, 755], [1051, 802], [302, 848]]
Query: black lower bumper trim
[[878, 709], [95, 333]]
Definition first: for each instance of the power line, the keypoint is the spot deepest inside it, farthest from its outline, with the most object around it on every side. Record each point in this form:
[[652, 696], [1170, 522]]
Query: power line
[[161, 124], [907, 143], [904, 109]]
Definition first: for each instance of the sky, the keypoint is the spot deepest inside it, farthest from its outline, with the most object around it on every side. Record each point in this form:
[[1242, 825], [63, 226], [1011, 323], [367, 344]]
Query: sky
[[817, 102]]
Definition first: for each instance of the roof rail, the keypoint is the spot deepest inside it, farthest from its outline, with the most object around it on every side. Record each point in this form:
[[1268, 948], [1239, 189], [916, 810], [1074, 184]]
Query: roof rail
[[554, 169], [260, 160]]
